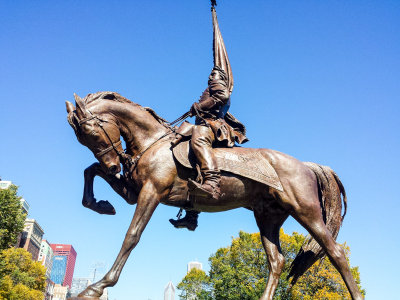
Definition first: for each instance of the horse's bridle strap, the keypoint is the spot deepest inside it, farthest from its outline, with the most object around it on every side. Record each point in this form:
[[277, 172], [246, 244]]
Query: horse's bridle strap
[[126, 158], [113, 146], [108, 149], [87, 119]]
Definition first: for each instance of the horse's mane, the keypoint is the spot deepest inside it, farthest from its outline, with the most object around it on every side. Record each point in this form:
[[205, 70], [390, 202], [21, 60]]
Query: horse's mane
[[106, 95], [113, 96]]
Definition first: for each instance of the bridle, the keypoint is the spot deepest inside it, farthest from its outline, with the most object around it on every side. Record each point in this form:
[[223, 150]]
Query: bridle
[[113, 145], [127, 161]]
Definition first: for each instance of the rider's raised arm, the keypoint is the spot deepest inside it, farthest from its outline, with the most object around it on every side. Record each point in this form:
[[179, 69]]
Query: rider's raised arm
[[220, 94]]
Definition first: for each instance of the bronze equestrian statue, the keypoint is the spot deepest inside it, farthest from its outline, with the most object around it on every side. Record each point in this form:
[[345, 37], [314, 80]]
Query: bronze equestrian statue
[[272, 184], [310, 193]]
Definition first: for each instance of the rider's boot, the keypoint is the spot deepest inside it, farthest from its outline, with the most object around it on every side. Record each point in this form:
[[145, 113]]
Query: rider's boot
[[210, 188], [202, 141], [189, 221]]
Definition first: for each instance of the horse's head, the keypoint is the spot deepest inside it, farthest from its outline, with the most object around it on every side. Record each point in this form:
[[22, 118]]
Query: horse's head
[[97, 131]]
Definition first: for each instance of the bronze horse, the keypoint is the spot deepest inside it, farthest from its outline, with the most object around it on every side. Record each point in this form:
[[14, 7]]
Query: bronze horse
[[311, 193]]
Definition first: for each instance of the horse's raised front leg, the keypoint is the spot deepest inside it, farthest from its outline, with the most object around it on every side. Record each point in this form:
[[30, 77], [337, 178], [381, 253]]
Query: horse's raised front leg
[[147, 202], [118, 184]]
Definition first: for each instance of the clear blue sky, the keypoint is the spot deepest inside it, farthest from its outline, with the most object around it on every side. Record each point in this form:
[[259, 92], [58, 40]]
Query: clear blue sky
[[319, 80]]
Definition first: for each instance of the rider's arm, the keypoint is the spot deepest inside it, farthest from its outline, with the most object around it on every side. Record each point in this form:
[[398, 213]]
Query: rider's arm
[[221, 96], [207, 102]]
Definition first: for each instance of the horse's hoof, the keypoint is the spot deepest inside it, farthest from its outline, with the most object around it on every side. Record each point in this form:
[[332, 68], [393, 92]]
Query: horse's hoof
[[90, 293], [102, 207], [105, 208]]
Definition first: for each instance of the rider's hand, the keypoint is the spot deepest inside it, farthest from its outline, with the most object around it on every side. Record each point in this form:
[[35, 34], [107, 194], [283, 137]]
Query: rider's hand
[[193, 109]]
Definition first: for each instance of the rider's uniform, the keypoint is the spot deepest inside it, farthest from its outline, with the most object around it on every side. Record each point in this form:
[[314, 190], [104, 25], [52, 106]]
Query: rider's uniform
[[214, 126]]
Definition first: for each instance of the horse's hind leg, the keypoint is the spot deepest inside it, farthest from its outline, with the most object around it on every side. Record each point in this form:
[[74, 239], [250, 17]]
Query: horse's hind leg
[[311, 219], [269, 225]]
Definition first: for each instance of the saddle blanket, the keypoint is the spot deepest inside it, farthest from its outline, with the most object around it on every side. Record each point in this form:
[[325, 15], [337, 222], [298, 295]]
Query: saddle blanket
[[251, 165]]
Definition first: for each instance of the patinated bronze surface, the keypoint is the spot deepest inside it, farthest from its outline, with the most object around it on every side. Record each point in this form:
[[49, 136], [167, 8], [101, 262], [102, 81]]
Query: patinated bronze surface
[[271, 184], [214, 126], [250, 165], [311, 193]]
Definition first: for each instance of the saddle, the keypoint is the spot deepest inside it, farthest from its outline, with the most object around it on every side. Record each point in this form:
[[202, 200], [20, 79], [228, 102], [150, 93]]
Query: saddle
[[245, 162]]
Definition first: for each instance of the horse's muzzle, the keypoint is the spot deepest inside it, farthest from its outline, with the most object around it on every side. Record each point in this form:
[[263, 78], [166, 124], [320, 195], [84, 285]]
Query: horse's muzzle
[[114, 169]]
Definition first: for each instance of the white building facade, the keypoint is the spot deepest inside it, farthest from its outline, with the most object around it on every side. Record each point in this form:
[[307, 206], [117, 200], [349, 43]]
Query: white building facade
[[194, 265], [46, 256], [169, 291], [4, 184]]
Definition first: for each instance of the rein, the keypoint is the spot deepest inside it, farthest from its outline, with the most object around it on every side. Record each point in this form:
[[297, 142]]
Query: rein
[[113, 145], [132, 162], [181, 118], [128, 162]]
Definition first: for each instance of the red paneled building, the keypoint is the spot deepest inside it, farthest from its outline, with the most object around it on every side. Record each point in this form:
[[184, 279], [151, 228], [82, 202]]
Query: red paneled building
[[66, 253]]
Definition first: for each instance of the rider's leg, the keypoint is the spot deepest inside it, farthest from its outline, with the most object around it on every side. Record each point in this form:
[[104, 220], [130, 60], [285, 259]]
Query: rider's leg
[[202, 140]]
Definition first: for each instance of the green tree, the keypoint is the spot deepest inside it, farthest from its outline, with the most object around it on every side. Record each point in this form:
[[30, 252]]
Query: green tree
[[195, 285], [323, 281], [21, 278], [239, 272], [11, 217]]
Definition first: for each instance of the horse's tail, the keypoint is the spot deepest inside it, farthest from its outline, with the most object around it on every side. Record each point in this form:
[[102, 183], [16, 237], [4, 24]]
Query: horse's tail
[[330, 189]]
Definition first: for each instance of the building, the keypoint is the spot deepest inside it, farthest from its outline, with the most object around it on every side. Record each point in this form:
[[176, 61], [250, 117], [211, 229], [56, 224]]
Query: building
[[194, 265], [31, 238], [105, 295], [79, 284], [58, 269], [46, 258], [46, 255], [24, 206], [60, 292], [63, 267], [49, 293], [169, 291], [4, 184]]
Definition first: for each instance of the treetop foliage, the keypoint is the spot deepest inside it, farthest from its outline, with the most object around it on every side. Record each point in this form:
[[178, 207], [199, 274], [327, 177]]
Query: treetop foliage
[[195, 285], [240, 272], [21, 278], [11, 217]]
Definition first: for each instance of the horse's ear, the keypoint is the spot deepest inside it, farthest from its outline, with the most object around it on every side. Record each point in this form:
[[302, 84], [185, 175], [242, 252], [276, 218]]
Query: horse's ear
[[70, 106], [80, 107]]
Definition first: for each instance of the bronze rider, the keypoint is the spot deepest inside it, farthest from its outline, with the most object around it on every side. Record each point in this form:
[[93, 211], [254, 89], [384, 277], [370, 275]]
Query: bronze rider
[[214, 126]]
